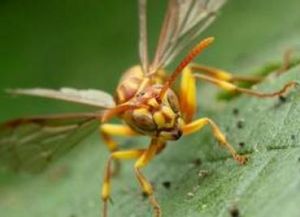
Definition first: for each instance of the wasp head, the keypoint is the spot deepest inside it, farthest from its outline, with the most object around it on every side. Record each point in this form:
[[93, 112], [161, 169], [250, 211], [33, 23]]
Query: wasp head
[[157, 117]]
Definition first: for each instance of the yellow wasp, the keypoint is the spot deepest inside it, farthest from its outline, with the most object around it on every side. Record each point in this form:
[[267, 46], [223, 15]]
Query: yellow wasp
[[144, 100]]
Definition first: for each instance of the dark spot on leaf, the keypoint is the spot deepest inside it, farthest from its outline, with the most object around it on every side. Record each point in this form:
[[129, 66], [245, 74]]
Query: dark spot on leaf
[[240, 124], [167, 184], [242, 144], [282, 99], [145, 195], [197, 162], [234, 212], [235, 111], [293, 137]]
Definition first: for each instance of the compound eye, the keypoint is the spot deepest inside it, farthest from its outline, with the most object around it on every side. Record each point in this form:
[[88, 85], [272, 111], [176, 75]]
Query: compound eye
[[143, 119], [173, 101]]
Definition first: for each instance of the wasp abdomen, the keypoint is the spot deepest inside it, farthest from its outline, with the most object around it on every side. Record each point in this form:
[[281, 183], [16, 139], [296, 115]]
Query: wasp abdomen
[[129, 84]]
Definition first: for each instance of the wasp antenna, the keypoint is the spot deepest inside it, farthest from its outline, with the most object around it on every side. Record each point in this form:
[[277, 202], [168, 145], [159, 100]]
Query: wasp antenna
[[188, 58]]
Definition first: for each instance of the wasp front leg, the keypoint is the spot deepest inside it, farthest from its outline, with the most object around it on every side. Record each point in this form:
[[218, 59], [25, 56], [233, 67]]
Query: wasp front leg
[[188, 105], [200, 123], [109, 130]]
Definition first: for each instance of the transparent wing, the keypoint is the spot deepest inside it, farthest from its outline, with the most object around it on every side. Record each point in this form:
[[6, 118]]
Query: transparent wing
[[183, 22], [90, 97], [30, 144], [143, 42]]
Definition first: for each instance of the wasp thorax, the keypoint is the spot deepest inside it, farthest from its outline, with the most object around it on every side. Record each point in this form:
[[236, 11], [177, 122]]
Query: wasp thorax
[[157, 118]]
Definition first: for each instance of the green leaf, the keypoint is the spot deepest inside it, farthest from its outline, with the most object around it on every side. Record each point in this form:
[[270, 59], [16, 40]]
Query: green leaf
[[267, 186]]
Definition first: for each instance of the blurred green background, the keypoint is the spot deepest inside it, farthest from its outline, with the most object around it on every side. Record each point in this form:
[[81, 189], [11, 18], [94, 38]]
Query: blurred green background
[[88, 44]]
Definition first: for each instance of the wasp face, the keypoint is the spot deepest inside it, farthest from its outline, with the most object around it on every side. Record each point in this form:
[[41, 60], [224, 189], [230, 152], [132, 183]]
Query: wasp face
[[158, 119]]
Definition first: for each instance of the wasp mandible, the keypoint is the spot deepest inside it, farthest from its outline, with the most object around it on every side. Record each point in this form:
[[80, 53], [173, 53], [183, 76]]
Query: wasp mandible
[[145, 100]]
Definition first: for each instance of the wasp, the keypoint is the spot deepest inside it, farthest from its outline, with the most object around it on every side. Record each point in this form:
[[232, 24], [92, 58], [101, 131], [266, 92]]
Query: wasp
[[145, 100]]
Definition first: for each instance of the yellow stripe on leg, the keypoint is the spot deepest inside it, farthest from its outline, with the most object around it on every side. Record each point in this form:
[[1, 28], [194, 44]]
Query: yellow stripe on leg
[[194, 126], [118, 130], [105, 190], [131, 154], [108, 130]]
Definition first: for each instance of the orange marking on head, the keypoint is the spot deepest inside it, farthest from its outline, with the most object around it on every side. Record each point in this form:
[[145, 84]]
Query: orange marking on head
[[108, 114]]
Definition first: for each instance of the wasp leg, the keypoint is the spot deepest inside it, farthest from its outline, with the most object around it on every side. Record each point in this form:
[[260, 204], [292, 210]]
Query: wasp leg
[[117, 155], [200, 123], [233, 88], [223, 75], [109, 130], [187, 96], [144, 183]]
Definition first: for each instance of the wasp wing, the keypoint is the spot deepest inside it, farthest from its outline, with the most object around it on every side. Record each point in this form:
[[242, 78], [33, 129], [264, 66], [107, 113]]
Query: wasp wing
[[183, 22], [143, 40], [90, 97], [30, 144]]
